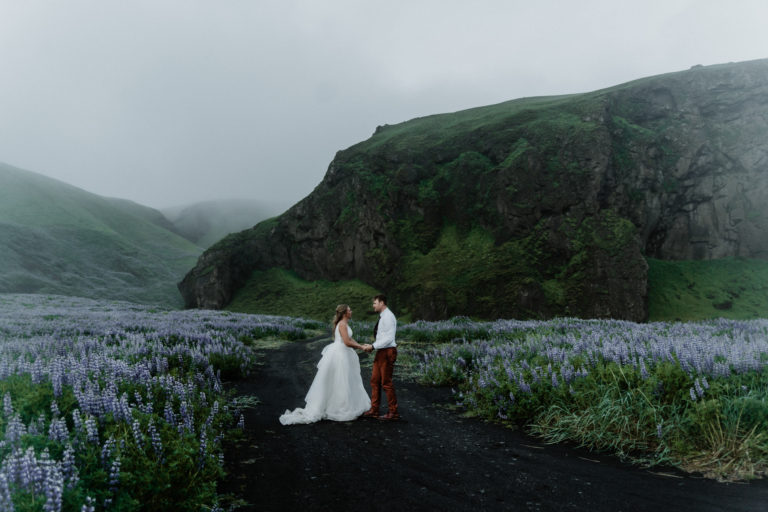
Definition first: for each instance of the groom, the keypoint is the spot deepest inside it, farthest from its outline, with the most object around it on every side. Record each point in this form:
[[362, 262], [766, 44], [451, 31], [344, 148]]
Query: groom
[[384, 362]]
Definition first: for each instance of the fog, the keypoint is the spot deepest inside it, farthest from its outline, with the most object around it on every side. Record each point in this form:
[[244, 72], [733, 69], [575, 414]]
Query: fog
[[173, 102]]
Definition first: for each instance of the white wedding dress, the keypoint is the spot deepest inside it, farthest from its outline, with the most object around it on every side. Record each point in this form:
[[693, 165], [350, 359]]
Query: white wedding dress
[[337, 393]]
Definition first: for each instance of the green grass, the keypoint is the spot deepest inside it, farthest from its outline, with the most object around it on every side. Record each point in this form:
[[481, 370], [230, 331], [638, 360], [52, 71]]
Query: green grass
[[697, 290], [567, 111], [435, 129], [678, 290], [282, 292]]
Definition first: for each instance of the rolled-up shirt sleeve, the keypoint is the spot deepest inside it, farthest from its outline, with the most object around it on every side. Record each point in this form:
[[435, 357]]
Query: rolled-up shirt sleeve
[[385, 337]]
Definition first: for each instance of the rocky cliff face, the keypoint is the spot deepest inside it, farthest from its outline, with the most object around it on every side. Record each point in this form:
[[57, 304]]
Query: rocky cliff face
[[531, 208]]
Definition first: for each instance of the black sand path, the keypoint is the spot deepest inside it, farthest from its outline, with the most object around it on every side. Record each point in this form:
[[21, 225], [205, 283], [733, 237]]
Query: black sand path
[[434, 459]]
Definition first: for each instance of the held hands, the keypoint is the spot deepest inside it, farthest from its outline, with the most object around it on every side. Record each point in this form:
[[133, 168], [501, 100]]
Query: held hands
[[367, 347]]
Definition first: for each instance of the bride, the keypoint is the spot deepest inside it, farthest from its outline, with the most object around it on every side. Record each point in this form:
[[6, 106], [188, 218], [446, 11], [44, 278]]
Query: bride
[[337, 393]]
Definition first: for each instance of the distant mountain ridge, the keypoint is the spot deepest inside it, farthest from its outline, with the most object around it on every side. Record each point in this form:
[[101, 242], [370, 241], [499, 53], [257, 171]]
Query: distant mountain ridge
[[535, 207], [208, 222], [59, 239]]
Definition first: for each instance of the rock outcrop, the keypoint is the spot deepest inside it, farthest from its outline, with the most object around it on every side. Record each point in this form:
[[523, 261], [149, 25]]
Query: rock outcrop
[[563, 198]]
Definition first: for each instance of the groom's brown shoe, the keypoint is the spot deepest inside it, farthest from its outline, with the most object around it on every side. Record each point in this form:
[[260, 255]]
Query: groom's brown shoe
[[390, 416], [371, 413]]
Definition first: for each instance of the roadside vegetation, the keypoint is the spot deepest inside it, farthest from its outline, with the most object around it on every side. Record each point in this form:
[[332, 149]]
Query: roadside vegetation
[[693, 395], [118, 406]]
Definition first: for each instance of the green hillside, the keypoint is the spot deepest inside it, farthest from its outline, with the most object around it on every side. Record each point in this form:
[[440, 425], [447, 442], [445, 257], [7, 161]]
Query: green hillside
[[56, 238]]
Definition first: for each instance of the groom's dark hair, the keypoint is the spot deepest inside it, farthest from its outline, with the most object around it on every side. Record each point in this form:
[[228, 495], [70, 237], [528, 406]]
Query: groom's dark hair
[[381, 298]]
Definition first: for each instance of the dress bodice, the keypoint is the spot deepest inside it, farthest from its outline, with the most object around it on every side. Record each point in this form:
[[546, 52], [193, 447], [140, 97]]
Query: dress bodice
[[337, 335]]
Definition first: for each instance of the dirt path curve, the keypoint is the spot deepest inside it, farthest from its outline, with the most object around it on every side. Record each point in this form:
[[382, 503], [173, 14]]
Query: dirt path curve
[[434, 459]]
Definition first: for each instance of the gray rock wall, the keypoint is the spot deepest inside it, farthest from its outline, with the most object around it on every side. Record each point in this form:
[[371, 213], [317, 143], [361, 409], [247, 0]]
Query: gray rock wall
[[681, 158]]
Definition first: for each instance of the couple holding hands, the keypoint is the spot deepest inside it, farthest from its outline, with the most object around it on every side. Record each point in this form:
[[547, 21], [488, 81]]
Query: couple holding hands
[[337, 392]]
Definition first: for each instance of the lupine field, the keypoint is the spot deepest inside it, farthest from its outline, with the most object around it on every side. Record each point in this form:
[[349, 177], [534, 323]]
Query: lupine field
[[117, 406], [688, 394]]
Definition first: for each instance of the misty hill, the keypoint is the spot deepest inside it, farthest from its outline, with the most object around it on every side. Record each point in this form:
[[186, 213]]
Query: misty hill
[[534, 207], [56, 238], [208, 222]]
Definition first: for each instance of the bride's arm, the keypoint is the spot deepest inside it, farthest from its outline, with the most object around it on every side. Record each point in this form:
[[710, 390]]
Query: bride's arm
[[345, 337]]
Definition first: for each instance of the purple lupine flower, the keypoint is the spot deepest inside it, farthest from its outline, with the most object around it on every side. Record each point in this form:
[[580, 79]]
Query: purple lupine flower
[[125, 408], [186, 417], [68, 468], [77, 421], [7, 405], [92, 430], [698, 388], [37, 427], [658, 430], [168, 414], [157, 443], [213, 413], [89, 505], [53, 490], [643, 370], [6, 503], [106, 450], [57, 379], [32, 473], [203, 448], [241, 422], [693, 395], [114, 475], [138, 437], [15, 429], [57, 430]]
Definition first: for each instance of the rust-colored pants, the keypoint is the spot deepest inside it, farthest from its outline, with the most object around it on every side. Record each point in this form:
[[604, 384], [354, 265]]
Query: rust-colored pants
[[381, 377]]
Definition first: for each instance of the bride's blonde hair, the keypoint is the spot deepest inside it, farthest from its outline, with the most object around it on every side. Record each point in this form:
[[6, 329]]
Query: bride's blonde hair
[[341, 310]]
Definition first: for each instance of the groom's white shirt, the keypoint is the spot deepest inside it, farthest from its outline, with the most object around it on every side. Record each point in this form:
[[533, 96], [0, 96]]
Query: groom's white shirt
[[385, 336]]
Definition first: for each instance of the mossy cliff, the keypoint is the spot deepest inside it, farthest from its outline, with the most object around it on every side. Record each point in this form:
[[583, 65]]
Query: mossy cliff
[[531, 208]]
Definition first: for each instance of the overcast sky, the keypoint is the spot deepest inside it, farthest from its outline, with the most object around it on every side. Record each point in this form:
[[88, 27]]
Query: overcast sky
[[179, 101]]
